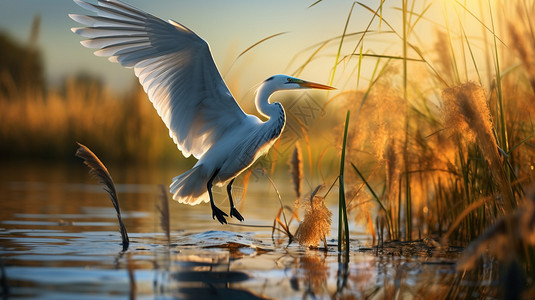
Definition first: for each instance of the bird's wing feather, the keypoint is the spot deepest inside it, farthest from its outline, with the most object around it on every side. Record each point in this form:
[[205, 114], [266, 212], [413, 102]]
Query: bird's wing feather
[[175, 67]]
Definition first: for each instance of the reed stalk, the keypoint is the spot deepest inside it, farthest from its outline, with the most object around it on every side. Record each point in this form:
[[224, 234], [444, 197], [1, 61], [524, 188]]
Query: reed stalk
[[376, 198], [343, 223]]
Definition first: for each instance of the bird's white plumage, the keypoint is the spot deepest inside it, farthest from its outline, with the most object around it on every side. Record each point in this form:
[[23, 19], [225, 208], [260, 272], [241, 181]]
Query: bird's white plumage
[[175, 67], [178, 73]]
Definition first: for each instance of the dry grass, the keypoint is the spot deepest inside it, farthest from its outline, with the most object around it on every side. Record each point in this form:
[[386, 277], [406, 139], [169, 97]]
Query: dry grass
[[316, 224], [467, 114], [47, 124], [433, 142], [448, 145]]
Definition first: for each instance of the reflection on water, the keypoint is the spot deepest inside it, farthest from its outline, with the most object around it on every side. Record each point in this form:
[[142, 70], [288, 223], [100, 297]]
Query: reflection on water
[[59, 240]]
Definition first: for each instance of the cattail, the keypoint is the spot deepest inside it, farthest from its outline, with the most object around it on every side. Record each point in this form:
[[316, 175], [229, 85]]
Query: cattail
[[296, 169]]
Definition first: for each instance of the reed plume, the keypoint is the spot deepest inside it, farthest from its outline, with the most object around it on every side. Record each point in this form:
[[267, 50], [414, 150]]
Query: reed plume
[[466, 113], [518, 44], [98, 170], [444, 52], [316, 223]]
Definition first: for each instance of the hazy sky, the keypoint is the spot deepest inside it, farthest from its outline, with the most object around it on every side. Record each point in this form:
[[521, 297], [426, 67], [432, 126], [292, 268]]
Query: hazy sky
[[229, 26]]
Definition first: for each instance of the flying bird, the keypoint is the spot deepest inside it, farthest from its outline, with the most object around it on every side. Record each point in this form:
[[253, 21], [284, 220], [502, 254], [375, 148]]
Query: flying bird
[[176, 69]]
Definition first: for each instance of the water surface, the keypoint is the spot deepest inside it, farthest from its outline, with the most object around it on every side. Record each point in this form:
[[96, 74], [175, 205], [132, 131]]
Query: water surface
[[59, 239]]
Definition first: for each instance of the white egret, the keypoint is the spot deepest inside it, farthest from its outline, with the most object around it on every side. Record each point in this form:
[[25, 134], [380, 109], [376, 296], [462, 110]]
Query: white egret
[[177, 71]]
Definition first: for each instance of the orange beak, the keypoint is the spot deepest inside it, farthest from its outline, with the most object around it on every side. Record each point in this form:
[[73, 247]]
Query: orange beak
[[313, 85]]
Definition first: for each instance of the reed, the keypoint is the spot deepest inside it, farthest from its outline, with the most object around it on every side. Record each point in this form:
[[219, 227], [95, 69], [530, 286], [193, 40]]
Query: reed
[[441, 152], [99, 171], [343, 222], [316, 224], [435, 140]]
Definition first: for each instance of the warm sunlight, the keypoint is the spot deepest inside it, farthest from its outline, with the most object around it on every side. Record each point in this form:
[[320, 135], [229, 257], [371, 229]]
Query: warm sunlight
[[367, 149]]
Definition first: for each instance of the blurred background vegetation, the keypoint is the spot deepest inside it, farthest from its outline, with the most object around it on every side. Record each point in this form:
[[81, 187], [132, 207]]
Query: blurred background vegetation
[[441, 132], [43, 122], [40, 122]]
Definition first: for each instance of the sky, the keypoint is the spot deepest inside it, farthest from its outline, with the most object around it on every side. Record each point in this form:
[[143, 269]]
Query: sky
[[229, 27]]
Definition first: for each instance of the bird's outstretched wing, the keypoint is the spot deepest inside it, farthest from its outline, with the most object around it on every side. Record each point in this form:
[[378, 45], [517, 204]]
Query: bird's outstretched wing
[[175, 67]]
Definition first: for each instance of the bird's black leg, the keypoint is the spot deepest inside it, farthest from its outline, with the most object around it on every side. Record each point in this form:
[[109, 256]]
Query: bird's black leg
[[233, 211], [216, 212]]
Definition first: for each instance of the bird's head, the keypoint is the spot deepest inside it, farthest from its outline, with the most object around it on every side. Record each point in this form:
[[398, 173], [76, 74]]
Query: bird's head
[[285, 82], [278, 83]]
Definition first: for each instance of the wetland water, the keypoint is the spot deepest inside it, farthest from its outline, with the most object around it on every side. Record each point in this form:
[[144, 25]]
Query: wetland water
[[59, 239]]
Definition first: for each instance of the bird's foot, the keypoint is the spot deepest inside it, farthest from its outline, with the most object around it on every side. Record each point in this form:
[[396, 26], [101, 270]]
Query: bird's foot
[[216, 212], [234, 213]]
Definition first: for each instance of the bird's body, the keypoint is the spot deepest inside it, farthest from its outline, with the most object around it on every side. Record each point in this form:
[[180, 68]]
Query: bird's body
[[228, 158], [177, 71]]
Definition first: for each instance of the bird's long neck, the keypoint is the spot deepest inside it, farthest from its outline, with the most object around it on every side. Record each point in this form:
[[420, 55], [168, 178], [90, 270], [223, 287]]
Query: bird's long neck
[[268, 110], [273, 111]]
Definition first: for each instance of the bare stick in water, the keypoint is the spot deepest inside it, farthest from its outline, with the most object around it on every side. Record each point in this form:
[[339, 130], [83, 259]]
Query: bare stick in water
[[163, 208], [98, 170]]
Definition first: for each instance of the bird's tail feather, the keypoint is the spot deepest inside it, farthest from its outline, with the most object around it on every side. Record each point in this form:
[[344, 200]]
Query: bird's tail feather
[[190, 187]]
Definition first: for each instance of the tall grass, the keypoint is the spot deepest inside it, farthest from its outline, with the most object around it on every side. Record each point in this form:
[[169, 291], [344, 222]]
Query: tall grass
[[46, 124], [432, 140], [343, 222], [435, 142], [441, 152]]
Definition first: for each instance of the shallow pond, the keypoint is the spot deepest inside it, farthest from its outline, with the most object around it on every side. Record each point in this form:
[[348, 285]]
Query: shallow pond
[[59, 239]]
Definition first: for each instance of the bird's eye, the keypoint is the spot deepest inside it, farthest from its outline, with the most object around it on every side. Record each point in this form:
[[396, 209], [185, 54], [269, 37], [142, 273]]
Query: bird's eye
[[289, 79]]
